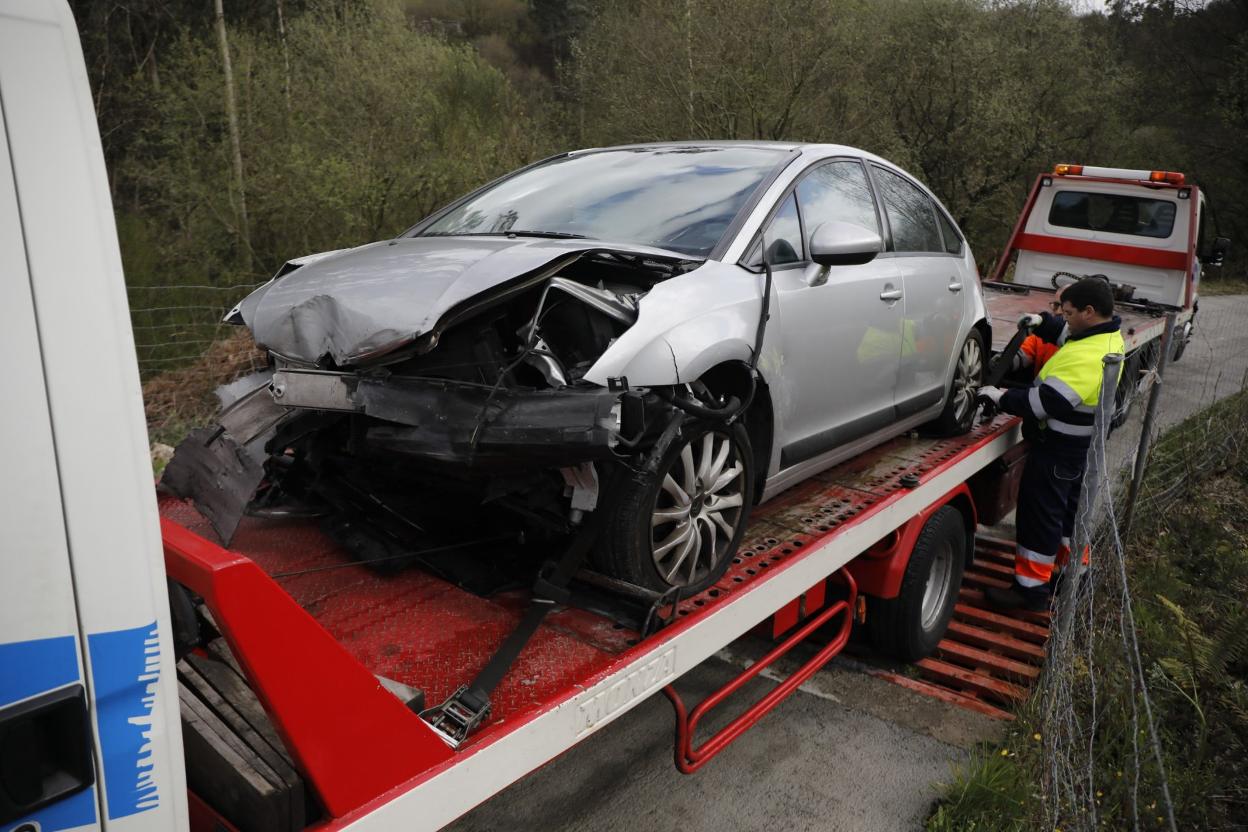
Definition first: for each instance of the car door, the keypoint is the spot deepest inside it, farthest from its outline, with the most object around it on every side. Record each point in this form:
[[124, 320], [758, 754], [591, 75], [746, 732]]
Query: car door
[[933, 284], [839, 326]]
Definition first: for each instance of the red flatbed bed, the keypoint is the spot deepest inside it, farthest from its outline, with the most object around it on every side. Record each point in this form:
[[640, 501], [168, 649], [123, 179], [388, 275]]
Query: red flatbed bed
[[578, 673]]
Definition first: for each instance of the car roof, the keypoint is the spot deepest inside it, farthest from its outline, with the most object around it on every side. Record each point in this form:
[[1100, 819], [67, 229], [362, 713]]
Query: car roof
[[811, 150]]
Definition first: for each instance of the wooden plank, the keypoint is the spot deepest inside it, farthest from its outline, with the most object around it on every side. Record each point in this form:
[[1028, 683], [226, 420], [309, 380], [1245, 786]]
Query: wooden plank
[[986, 662], [1005, 644], [976, 578], [1028, 631], [222, 705], [234, 688], [975, 597], [225, 776], [969, 680], [1005, 571], [942, 693]]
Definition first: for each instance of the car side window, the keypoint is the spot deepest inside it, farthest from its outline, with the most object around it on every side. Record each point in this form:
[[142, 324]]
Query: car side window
[[783, 236], [837, 191], [953, 240], [910, 214]]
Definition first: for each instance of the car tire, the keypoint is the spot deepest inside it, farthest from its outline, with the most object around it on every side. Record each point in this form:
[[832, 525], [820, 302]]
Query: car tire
[[686, 512], [958, 415], [910, 626]]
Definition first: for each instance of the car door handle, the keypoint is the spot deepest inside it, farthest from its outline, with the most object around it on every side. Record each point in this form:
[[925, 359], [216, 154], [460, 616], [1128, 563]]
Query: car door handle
[[891, 294], [955, 286]]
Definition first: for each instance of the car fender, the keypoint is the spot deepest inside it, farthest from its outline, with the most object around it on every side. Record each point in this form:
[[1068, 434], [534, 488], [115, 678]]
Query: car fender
[[685, 326]]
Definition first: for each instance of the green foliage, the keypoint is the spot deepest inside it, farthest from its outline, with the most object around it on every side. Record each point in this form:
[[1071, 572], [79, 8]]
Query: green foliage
[[375, 125], [991, 792]]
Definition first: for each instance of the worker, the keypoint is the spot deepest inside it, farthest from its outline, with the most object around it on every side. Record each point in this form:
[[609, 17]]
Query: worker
[[1059, 406]]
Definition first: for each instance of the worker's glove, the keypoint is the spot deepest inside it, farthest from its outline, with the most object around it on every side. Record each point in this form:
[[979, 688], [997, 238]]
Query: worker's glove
[[992, 394], [1031, 320]]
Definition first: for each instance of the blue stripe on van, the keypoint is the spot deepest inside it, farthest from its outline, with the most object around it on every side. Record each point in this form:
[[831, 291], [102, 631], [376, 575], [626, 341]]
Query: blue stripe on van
[[28, 668], [125, 666]]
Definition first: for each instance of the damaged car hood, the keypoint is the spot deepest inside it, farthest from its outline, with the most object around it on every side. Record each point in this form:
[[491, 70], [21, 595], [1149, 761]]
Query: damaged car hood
[[363, 303]]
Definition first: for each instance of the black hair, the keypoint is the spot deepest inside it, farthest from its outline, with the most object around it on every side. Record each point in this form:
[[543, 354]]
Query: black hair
[[1091, 291]]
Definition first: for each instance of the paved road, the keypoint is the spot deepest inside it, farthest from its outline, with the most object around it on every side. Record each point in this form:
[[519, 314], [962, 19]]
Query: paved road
[[848, 752]]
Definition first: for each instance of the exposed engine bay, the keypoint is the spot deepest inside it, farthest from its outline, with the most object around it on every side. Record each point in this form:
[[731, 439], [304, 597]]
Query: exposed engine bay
[[488, 409]]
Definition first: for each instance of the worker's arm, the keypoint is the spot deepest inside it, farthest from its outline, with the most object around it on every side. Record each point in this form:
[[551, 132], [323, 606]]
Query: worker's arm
[[1051, 399], [1052, 328]]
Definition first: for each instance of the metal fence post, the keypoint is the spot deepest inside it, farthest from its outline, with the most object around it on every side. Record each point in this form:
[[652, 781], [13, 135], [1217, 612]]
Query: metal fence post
[[1093, 482], [1146, 432]]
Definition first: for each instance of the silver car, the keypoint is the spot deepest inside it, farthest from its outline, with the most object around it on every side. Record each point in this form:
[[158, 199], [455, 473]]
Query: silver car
[[664, 335]]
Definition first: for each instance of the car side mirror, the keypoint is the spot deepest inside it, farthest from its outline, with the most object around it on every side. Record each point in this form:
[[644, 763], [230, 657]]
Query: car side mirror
[[844, 244], [1218, 251]]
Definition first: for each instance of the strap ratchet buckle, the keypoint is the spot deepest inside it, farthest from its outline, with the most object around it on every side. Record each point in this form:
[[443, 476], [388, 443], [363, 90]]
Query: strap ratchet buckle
[[458, 716]]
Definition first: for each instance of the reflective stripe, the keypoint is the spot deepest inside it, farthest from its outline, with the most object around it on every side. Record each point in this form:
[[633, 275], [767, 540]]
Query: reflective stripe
[[1034, 557], [1068, 429], [1033, 399], [1064, 390], [1032, 569], [1083, 408]]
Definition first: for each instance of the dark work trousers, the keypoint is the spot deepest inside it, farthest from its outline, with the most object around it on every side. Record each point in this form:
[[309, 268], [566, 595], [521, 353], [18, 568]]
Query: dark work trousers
[[1048, 498]]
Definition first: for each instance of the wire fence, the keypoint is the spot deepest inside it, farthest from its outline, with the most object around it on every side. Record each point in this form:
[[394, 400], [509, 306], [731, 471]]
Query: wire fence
[[1096, 702]]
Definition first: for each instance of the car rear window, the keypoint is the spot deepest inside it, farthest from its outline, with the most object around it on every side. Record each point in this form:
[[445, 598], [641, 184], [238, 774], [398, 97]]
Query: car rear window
[[1115, 213], [681, 198]]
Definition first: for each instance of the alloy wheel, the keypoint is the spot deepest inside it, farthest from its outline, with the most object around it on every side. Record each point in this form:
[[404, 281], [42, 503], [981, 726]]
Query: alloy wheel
[[966, 379], [698, 508]]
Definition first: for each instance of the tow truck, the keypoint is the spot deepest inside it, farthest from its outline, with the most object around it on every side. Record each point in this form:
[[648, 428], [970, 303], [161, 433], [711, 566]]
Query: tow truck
[[152, 679], [1149, 233]]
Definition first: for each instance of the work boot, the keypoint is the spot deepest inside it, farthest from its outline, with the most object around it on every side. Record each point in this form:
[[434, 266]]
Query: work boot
[[1017, 598]]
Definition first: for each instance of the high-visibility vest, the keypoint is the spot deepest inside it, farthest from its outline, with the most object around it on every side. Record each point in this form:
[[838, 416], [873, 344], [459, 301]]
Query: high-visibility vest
[[1076, 371]]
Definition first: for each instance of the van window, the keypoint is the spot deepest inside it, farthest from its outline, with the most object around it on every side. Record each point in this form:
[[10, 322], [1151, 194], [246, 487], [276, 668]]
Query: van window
[[1115, 213]]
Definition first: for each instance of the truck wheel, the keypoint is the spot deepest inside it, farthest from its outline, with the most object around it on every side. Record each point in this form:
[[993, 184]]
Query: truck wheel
[[910, 626], [968, 375], [1128, 390], [1182, 335], [682, 525]]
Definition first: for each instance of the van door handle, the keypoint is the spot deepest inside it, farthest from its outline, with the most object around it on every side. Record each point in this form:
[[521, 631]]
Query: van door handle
[[890, 295], [955, 286]]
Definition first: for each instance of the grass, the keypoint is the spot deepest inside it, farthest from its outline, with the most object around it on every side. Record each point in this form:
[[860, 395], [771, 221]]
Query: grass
[[989, 793], [1228, 286]]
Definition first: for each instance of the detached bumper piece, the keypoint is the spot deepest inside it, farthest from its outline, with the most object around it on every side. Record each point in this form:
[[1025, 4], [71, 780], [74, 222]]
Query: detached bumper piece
[[489, 427]]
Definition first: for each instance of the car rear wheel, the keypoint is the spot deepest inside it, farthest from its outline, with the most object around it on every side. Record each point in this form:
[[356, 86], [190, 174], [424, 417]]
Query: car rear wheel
[[681, 525], [910, 626], [968, 375]]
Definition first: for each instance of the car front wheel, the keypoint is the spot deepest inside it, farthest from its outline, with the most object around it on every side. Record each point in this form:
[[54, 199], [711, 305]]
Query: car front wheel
[[968, 375], [679, 526]]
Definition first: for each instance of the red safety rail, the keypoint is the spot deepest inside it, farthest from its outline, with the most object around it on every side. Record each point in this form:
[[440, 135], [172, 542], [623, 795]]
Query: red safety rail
[[688, 758], [988, 660]]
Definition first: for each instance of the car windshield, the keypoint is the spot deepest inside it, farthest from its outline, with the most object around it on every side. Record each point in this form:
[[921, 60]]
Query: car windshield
[[677, 198]]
